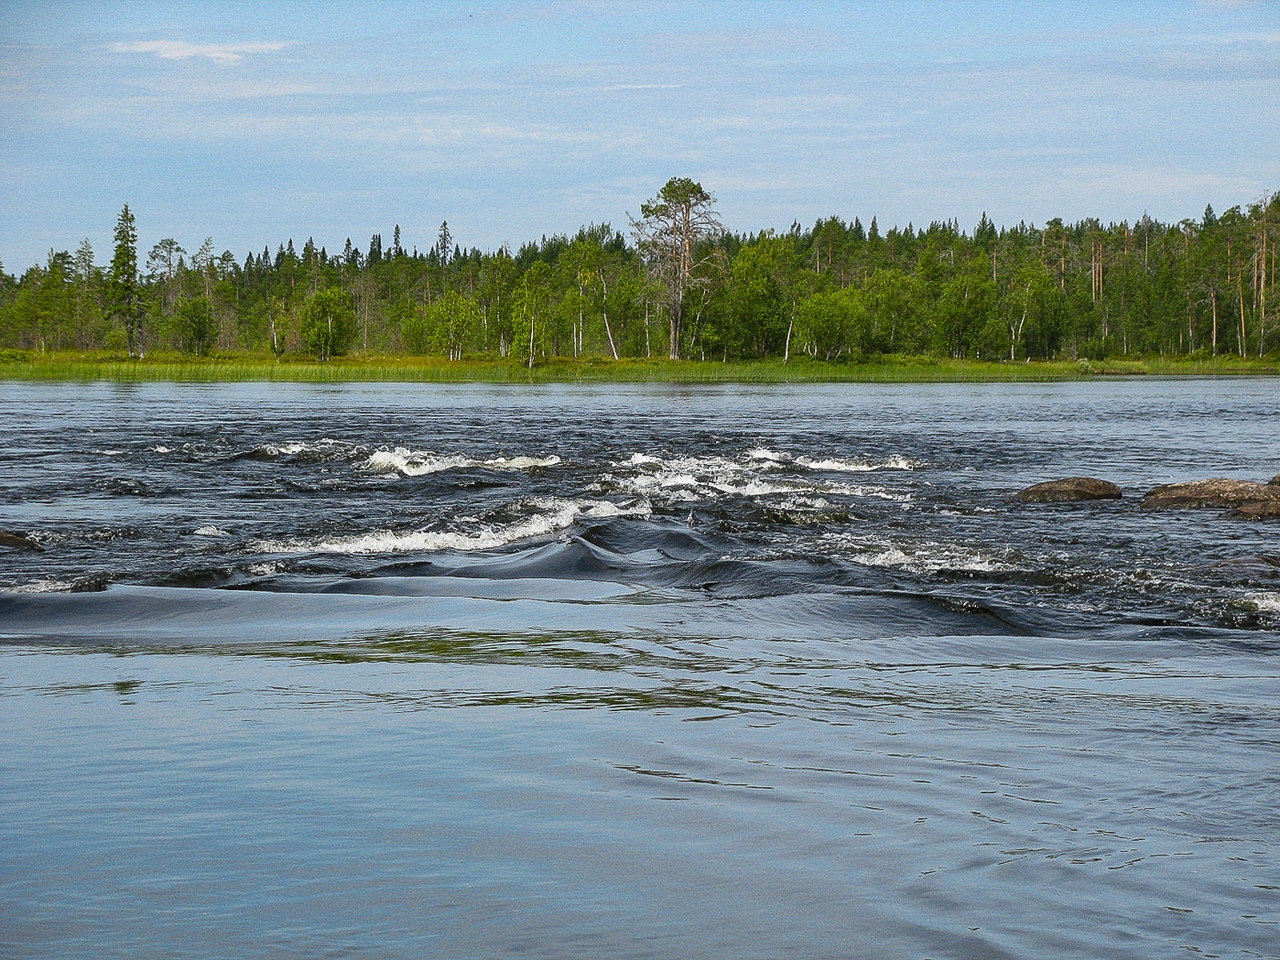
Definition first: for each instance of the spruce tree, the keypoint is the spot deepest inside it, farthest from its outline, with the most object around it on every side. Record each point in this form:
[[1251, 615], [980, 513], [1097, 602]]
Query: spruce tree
[[124, 292]]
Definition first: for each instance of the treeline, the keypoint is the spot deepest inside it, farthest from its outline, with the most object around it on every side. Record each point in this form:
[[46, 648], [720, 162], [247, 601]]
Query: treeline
[[677, 284]]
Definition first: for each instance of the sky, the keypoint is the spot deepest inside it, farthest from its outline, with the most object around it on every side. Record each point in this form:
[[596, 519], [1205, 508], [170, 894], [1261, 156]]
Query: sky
[[255, 123]]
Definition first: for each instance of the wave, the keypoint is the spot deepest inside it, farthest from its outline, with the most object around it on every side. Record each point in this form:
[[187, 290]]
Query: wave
[[320, 451], [919, 558], [385, 459], [44, 586], [301, 451], [832, 464], [756, 473], [209, 531], [1263, 602], [550, 515], [412, 463]]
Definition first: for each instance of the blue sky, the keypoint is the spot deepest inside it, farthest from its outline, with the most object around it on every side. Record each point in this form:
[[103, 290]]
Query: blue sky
[[256, 122]]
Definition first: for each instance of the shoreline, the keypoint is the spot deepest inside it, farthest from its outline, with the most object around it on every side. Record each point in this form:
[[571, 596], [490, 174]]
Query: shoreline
[[232, 368]]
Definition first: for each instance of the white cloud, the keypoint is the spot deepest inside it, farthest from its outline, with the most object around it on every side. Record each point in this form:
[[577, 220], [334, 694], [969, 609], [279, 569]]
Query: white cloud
[[182, 50]]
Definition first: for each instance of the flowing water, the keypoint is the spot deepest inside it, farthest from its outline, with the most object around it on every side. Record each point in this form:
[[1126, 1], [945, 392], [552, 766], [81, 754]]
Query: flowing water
[[635, 671]]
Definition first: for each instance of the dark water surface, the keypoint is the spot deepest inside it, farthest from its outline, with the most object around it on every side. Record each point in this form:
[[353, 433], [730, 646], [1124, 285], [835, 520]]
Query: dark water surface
[[640, 671]]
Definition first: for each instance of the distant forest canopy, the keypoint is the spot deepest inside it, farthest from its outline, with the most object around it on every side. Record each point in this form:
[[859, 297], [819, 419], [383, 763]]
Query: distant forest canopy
[[677, 284]]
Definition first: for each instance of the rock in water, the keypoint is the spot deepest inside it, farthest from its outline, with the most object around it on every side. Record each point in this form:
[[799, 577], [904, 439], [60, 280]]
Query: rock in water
[[1212, 493], [18, 541], [1274, 481], [1069, 489], [1258, 510]]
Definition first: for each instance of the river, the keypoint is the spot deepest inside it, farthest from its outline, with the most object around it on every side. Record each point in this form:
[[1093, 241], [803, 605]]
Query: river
[[402, 671]]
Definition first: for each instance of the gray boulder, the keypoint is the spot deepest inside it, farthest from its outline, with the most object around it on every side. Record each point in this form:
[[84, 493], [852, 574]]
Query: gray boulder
[[1211, 493], [1068, 490]]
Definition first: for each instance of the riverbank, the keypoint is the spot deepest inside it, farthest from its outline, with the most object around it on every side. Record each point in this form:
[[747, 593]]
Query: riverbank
[[16, 365]]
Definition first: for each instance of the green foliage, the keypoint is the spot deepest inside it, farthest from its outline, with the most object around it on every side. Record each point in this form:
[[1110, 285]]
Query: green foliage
[[327, 325], [447, 327], [195, 326], [124, 291], [832, 324], [758, 305], [681, 286]]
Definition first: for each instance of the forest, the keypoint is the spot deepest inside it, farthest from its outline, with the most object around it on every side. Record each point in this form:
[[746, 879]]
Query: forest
[[676, 284]]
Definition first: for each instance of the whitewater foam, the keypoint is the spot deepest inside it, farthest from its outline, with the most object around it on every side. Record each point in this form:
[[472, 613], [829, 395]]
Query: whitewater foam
[[774, 459], [757, 473], [551, 514], [413, 463], [1264, 602], [324, 449], [43, 586], [836, 465], [918, 558]]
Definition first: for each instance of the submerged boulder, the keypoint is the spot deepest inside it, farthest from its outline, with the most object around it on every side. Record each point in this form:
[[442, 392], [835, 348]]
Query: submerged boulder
[[1218, 492], [1069, 489], [1258, 510], [18, 541]]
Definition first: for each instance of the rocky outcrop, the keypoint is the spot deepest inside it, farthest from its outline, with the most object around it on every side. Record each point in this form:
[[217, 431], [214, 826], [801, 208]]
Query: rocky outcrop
[[1237, 494], [1274, 481], [1068, 490]]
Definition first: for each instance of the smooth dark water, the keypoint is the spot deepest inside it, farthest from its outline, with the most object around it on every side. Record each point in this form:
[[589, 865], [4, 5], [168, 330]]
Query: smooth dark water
[[472, 671]]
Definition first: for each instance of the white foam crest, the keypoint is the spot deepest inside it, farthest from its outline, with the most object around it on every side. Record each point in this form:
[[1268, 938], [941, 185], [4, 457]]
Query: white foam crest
[[414, 463], [756, 473], [838, 465], [685, 479], [409, 463], [43, 586], [774, 458], [863, 490], [159, 448], [325, 448], [554, 514], [921, 557], [520, 463], [210, 531], [748, 487], [1263, 602], [764, 458]]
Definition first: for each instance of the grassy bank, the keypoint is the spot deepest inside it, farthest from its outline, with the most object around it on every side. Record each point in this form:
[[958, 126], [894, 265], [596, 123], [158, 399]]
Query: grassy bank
[[234, 368]]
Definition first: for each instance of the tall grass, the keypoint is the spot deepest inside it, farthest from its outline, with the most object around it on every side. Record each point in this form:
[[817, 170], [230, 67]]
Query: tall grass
[[240, 368]]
